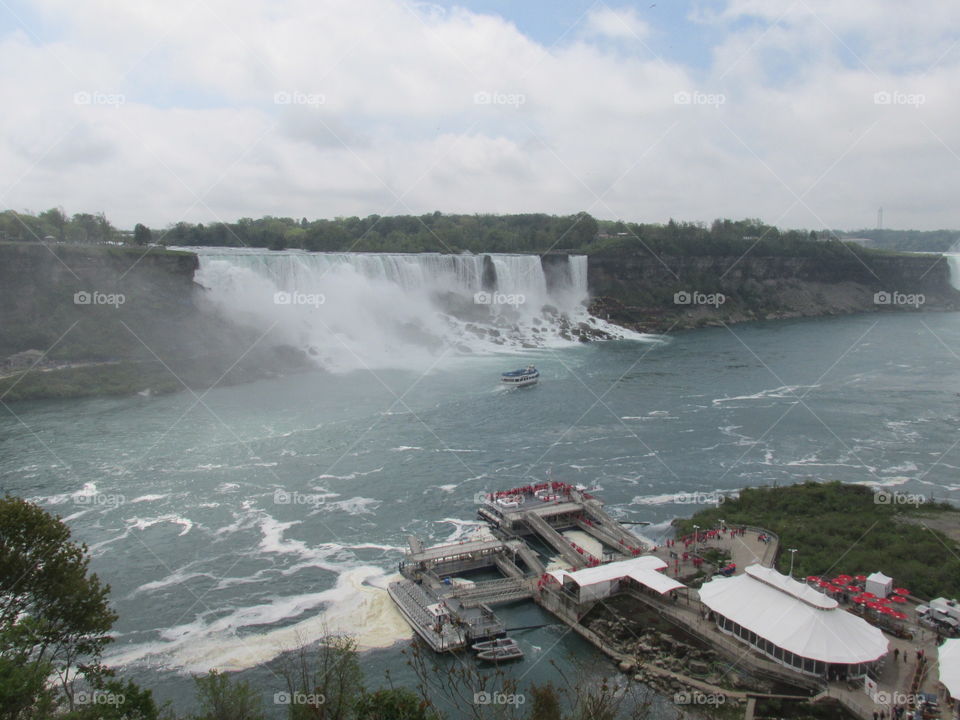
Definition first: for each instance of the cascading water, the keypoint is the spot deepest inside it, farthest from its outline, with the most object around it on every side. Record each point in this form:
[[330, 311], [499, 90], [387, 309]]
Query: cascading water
[[953, 262], [375, 310]]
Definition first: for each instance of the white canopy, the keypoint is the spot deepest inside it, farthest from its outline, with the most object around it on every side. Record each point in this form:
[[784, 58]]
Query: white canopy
[[643, 569], [950, 666], [879, 584], [778, 608]]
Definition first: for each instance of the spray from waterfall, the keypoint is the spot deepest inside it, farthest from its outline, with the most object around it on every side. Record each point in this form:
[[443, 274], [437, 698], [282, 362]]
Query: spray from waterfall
[[380, 310]]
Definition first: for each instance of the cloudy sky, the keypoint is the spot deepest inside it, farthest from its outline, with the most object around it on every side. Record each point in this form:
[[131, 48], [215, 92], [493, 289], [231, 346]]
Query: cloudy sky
[[806, 113]]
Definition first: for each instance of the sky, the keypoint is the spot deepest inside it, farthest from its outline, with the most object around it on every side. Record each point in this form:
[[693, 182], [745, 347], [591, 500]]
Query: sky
[[804, 113]]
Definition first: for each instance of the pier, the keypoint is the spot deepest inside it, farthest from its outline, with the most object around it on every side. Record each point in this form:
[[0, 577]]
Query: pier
[[450, 611]]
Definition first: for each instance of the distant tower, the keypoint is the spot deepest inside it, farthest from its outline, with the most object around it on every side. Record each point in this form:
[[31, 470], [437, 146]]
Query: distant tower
[[880, 218]]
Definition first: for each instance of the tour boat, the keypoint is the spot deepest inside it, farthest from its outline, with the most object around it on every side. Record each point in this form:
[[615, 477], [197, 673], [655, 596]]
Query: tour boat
[[521, 378], [498, 650]]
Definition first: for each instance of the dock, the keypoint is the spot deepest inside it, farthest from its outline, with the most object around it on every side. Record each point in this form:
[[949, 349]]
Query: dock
[[450, 611]]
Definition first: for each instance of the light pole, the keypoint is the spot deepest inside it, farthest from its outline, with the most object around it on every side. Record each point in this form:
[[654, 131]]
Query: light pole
[[793, 552], [696, 538]]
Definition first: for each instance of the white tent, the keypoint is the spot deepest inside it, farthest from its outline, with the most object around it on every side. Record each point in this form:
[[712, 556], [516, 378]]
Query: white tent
[[949, 666], [785, 613], [879, 584]]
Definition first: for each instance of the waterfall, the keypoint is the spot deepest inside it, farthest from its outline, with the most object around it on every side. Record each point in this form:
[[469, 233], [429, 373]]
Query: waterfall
[[953, 262], [376, 310]]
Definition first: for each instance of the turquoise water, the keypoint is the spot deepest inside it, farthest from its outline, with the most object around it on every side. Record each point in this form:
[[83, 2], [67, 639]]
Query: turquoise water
[[229, 526]]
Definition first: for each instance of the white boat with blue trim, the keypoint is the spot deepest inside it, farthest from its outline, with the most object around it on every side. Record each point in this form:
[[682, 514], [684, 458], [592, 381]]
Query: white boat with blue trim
[[521, 378]]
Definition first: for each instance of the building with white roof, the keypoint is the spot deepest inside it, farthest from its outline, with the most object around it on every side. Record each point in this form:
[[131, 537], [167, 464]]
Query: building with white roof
[[602, 581], [793, 624]]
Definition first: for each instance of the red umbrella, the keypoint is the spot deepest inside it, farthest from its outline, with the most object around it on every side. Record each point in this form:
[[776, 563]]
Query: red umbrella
[[861, 578], [901, 591], [898, 599], [813, 578], [823, 583], [884, 601], [844, 577], [869, 595], [887, 610], [899, 615], [853, 588], [860, 600], [874, 605]]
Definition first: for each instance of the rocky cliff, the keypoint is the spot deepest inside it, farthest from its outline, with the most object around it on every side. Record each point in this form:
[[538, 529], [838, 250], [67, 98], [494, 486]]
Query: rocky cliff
[[92, 320], [658, 293]]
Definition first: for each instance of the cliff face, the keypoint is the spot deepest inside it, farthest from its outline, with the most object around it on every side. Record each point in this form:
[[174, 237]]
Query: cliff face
[[93, 320], [659, 293]]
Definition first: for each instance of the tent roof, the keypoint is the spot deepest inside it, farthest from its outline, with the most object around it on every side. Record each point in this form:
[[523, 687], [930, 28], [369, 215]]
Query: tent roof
[[799, 590], [643, 569], [879, 577], [772, 606], [949, 666]]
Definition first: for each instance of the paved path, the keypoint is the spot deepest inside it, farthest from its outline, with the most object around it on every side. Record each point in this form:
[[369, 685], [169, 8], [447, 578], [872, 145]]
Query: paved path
[[745, 550]]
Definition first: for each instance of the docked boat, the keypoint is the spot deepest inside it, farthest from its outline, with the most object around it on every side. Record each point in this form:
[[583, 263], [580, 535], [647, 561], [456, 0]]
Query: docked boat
[[521, 378], [499, 650]]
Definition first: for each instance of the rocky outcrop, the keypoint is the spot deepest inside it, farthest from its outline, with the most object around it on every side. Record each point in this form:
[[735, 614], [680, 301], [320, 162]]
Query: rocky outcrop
[[117, 320], [659, 293]]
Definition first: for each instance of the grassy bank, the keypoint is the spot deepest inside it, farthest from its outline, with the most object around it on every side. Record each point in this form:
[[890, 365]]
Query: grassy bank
[[840, 528]]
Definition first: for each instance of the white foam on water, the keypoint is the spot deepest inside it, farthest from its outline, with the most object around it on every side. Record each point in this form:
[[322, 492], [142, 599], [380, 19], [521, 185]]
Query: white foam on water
[[351, 476], [665, 499], [353, 506], [358, 605], [148, 498], [885, 482], [138, 523], [791, 392]]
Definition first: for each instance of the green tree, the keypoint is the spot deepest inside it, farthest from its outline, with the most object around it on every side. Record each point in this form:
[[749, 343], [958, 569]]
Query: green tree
[[53, 612], [142, 235], [323, 683], [222, 699], [393, 704]]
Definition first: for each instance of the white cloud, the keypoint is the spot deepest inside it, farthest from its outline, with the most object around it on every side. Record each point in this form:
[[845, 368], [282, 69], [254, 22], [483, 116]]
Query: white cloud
[[621, 23], [399, 129]]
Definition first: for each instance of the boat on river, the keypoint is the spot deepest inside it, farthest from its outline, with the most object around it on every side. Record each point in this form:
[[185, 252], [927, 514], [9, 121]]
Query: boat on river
[[521, 378], [499, 650]]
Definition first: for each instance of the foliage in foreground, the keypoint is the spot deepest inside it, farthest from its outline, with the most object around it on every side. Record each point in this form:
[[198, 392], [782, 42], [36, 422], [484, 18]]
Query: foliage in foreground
[[840, 528]]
